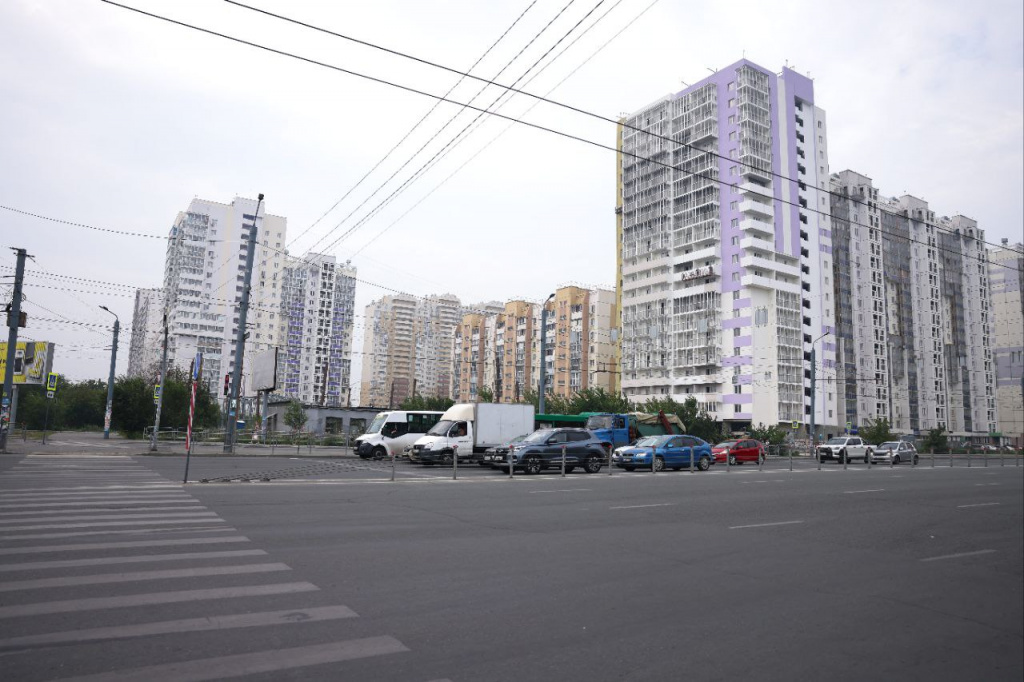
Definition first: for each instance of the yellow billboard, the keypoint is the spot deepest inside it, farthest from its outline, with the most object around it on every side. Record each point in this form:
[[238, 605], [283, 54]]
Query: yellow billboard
[[32, 361]]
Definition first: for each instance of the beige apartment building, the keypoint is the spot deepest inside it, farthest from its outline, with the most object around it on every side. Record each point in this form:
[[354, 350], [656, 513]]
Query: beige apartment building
[[407, 348], [501, 351], [1006, 274]]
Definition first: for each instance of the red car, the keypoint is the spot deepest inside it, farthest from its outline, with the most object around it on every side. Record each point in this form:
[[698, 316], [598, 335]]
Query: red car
[[739, 451]]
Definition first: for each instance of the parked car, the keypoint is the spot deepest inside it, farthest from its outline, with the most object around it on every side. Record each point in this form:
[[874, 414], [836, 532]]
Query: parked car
[[542, 449], [674, 452], [739, 451], [895, 451], [499, 453], [845, 448]]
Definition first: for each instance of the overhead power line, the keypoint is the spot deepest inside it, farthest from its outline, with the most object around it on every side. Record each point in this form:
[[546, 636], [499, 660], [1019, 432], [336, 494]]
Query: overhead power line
[[536, 126], [546, 100]]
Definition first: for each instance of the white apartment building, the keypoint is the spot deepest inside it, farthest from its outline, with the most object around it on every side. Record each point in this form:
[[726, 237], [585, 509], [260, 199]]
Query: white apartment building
[[203, 279], [1006, 274], [315, 342], [914, 332], [146, 346], [724, 259]]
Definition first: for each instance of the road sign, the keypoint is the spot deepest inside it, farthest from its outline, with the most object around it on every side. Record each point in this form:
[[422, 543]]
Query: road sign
[[51, 382], [796, 425], [49, 395], [197, 367]]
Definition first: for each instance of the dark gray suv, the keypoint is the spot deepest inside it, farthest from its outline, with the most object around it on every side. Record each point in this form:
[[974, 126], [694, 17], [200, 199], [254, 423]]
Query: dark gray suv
[[543, 450]]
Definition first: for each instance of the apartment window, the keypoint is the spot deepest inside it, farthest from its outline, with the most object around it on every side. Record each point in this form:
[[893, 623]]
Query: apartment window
[[735, 241], [734, 205], [735, 256], [732, 85], [733, 171], [736, 331], [732, 102], [735, 276], [732, 119], [819, 124], [735, 221], [736, 407], [736, 295], [732, 135]]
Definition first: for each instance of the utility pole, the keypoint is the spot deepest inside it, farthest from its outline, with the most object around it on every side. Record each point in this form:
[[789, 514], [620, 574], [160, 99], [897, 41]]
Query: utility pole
[[543, 353], [236, 378], [110, 380], [13, 319], [814, 376], [160, 396]]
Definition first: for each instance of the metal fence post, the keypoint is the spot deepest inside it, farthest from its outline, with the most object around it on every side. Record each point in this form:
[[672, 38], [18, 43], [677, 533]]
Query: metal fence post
[[1001, 457], [984, 457], [969, 456], [392, 466], [563, 461], [870, 457], [610, 460], [931, 454], [455, 462], [693, 462], [846, 458], [913, 459], [950, 457], [791, 459], [761, 457], [511, 468], [728, 462]]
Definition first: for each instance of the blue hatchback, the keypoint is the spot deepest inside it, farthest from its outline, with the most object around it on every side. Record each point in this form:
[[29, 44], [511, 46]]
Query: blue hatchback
[[674, 452]]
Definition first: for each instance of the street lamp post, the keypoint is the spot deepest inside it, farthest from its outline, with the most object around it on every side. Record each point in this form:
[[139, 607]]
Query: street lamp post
[[814, 374], [110, 380]]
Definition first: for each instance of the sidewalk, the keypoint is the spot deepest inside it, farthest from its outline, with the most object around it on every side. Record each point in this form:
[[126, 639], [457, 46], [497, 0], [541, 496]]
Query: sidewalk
[[93, 443]]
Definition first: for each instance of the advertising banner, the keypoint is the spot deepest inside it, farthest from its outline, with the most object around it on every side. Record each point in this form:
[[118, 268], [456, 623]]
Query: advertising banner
[[32, 362]]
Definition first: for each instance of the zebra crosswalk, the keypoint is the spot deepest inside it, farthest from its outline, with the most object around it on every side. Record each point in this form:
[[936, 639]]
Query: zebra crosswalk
[[120, 574]]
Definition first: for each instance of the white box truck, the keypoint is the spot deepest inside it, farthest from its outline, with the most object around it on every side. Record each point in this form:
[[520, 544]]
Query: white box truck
[[472, 428]]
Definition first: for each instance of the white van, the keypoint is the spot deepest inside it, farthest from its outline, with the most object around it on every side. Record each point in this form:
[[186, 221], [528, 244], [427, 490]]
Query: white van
[[390, 432]]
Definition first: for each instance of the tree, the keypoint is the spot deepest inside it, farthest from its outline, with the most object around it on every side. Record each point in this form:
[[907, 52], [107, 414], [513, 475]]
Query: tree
[[133, 408], [771, 435], [429, 403], [295, 416], [485, 395], [595, 400], [877, 431], [936, 440]]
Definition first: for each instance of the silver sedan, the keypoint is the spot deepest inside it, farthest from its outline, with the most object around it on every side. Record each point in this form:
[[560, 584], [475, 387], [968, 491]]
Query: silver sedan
[[894, 452]]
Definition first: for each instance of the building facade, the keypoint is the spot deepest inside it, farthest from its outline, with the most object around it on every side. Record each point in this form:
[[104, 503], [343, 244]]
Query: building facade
[[203, 279], [407, 348], [146, 346], [724, 266], [914, 328], [500, 351], [315, 341], [1006, 273]]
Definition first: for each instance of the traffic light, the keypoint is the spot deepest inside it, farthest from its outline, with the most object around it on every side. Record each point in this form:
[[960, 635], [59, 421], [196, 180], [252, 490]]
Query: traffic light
[[227, 384]]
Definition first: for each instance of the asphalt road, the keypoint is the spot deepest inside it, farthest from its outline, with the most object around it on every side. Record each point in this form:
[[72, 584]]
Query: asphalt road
[[110, 569]]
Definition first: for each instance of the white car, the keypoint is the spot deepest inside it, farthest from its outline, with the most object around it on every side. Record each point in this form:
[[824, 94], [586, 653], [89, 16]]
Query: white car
[[845, 448], [894, 452]]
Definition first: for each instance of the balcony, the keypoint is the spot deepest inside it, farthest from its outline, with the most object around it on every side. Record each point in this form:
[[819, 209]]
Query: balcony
[[764, 281], [754, 242], [753, 189], [759, 262], [757, 209], [758, 228]]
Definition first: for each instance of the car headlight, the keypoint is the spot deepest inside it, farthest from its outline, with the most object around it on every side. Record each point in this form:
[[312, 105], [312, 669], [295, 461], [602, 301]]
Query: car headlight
[[640, 455]]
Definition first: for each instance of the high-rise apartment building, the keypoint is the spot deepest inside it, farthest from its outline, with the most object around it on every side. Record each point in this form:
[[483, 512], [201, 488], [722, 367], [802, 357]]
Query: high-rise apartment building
[[1006, 274], [203, 279], [317, 309], [145, 348], [500, 351], [914, 327], [407, 348], [724, 259]]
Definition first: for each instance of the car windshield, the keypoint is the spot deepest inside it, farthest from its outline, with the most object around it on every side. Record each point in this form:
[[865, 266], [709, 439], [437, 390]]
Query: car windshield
[[836, 441], [538, 436], [891, 445], [377, 423], [599, 421], [726, 444], [518, 439], [647, 442], [440, 428]]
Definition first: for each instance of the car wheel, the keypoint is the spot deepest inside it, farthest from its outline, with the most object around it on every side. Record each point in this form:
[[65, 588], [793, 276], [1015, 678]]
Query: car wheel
[[447, 458], [629, 467], [732, 460], [533, 465], [592, 465], [704, 463], [895, 459], [379, 453], [659, 463]]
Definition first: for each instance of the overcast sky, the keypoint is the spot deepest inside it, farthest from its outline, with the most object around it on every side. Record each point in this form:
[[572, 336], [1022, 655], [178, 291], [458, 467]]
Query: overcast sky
[[117, 120]]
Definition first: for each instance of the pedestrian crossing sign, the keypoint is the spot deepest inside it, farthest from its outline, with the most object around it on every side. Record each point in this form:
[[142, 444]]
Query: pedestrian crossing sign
[[51, 381]]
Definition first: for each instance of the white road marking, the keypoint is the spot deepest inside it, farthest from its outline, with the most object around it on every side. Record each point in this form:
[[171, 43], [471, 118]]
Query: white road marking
[[980, 504], [564, 490], [642, 506], [111, 578], [240, 665], [986, 484], [140, 559], [90, 546], [133, 531], [763, 525], [107, 513], [132, 600], [854, 492], [140, 503], [957, 556], [210, 519], [245, 620]]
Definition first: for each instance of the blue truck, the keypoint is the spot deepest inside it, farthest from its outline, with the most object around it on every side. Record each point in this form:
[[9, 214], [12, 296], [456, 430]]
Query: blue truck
[[622, 429]]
